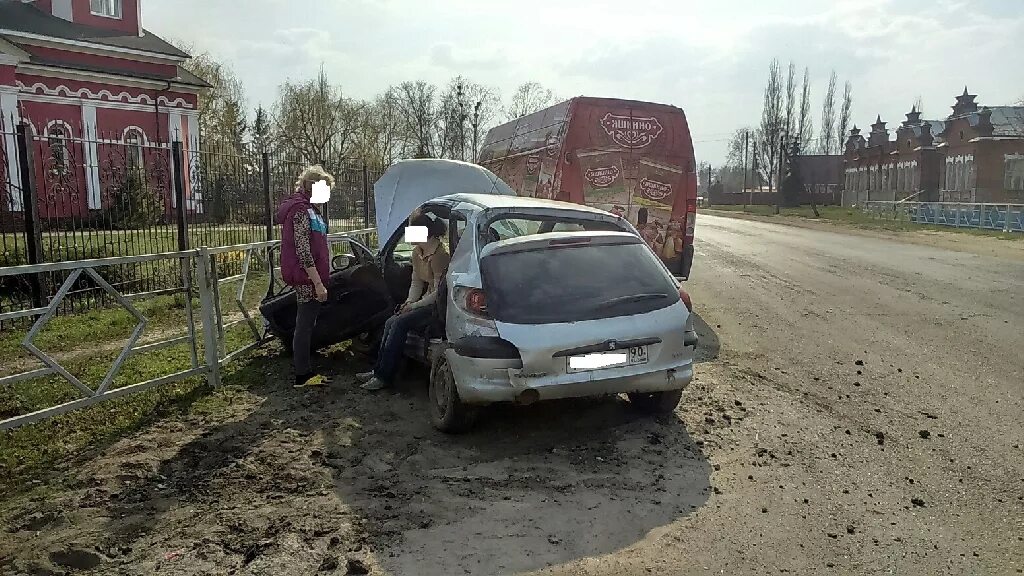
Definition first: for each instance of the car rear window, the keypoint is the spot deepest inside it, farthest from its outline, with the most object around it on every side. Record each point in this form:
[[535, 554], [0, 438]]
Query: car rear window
[[575, 283]]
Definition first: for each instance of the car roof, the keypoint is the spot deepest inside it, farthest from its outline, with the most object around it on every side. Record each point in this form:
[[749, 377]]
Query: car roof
[[487, 201]]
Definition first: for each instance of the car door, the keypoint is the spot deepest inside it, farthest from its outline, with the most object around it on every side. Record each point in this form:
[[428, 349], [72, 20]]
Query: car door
[[357, 296]]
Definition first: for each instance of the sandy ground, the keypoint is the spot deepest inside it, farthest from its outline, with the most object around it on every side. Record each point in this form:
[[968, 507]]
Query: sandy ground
[[857, 410]]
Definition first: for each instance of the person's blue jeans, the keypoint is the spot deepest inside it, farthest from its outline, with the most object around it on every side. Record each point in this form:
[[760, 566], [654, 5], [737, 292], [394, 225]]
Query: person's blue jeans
[[392, 345]]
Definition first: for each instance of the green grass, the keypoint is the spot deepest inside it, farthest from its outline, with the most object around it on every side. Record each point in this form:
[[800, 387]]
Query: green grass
[[86, 344], [865, 220]]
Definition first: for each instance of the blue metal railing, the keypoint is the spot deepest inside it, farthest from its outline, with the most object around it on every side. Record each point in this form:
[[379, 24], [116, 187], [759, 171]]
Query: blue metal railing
[[1005, 217]]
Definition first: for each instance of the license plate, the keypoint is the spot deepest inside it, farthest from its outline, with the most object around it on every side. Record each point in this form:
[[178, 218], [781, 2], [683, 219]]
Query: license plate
[[602, 360]]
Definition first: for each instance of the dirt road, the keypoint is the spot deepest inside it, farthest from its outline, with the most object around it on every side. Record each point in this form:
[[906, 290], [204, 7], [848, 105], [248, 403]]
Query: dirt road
[[857, 410]]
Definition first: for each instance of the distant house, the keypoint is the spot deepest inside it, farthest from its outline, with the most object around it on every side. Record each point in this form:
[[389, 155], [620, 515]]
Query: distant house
[[976, 154], [90, 82], [822, 176]]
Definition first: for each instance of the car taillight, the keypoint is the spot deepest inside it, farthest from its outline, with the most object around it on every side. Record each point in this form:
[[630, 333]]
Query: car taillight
[[686, 299], [476, 302]]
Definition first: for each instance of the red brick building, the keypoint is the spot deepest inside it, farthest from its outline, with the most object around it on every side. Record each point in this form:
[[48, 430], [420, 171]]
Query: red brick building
[[85, 74], [976, 154], [983, 150]]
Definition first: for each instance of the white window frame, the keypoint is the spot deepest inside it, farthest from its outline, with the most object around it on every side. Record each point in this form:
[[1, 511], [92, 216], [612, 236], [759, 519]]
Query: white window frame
[[1013, 175], [107, 8]]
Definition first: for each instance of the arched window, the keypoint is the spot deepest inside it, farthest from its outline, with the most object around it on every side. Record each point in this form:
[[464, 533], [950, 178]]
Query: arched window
[[57, 136], [134, 141]]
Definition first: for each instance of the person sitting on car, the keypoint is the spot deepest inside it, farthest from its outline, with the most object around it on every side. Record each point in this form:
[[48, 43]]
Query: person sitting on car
[[429, 262]]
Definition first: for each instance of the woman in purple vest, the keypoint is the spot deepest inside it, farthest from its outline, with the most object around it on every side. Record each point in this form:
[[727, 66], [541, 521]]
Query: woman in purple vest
[[305, 265]]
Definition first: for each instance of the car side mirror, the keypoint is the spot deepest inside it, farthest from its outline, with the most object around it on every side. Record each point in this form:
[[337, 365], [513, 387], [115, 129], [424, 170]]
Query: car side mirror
[[342, 261]]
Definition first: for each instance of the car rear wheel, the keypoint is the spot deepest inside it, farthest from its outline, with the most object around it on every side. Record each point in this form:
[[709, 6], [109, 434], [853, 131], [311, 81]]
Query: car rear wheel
[[656, 402], [447, 411]]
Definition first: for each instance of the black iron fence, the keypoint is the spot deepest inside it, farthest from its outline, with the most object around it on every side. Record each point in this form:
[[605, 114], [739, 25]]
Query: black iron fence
[[65, 197]]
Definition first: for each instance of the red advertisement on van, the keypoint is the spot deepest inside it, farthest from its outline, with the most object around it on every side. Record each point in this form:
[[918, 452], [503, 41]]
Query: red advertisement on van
[[631, 158]]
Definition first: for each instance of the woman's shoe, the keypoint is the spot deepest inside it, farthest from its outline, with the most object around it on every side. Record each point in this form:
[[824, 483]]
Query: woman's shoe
[[374, 383], [364, 376]]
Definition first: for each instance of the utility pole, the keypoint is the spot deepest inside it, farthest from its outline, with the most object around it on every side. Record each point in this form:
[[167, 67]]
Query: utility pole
[[709, 184], [746, 142]]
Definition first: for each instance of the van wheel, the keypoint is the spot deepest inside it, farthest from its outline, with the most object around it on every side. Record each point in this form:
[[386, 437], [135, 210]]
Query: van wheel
[[656, 402], [447, 412]]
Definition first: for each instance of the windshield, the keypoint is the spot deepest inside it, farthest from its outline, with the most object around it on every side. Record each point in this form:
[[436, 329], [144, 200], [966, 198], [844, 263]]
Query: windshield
[[567, 284], [513, 227]]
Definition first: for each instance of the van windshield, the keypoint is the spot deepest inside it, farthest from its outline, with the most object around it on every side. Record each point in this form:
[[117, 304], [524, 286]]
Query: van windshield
[[575, 283], [505, 228]]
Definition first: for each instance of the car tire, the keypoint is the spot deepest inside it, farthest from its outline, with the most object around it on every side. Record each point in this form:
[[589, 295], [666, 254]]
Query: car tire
[[447, 412], [656, 402], [367, 343]]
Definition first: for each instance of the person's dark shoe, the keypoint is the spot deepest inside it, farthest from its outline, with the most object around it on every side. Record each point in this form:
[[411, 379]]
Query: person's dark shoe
[[312, 379], [364, 377], [374, 383]]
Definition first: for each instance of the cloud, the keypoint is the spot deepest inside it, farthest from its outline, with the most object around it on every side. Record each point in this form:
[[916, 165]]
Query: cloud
[[447, 56], [711, 59]]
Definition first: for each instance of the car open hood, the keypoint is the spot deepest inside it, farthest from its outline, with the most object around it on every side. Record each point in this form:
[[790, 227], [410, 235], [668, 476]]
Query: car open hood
[[409, 183]]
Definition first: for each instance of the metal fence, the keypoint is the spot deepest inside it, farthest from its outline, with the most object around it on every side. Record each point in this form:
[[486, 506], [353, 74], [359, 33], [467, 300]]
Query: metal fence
[[1005, 217], [67, 196], [220, 323]]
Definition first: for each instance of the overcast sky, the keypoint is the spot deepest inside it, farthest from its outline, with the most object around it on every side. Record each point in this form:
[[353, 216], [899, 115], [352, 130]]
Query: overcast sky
[[709, 57]]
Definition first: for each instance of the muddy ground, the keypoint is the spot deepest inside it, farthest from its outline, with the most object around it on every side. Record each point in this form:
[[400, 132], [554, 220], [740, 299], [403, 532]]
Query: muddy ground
[[857, 410]]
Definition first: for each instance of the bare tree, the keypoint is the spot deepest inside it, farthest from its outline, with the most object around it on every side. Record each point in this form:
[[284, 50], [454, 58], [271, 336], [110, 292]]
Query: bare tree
[[417, 105], [262, 138], [380, 139], [787, 131], [527, 99], [790, 101], [222, 115], [486, 110], [314, 120], [466, 110], [828, 117], [769, 134], [805, 126], [736, 152], [844, 117]]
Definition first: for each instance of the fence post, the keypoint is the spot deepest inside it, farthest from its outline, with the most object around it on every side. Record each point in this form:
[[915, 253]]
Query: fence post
[[179, 194], [366, 196], [211, 348], [268, 203], [30, 213]]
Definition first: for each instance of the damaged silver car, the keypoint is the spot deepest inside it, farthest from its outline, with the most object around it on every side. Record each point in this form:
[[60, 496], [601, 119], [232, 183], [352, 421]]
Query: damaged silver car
[[542, 300]]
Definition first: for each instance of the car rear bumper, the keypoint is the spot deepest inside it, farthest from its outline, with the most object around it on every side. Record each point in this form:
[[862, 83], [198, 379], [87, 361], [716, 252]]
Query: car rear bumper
[[488, 381]]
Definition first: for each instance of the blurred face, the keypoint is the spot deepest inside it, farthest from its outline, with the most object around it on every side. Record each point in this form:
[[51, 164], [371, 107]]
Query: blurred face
[[319, 192]]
